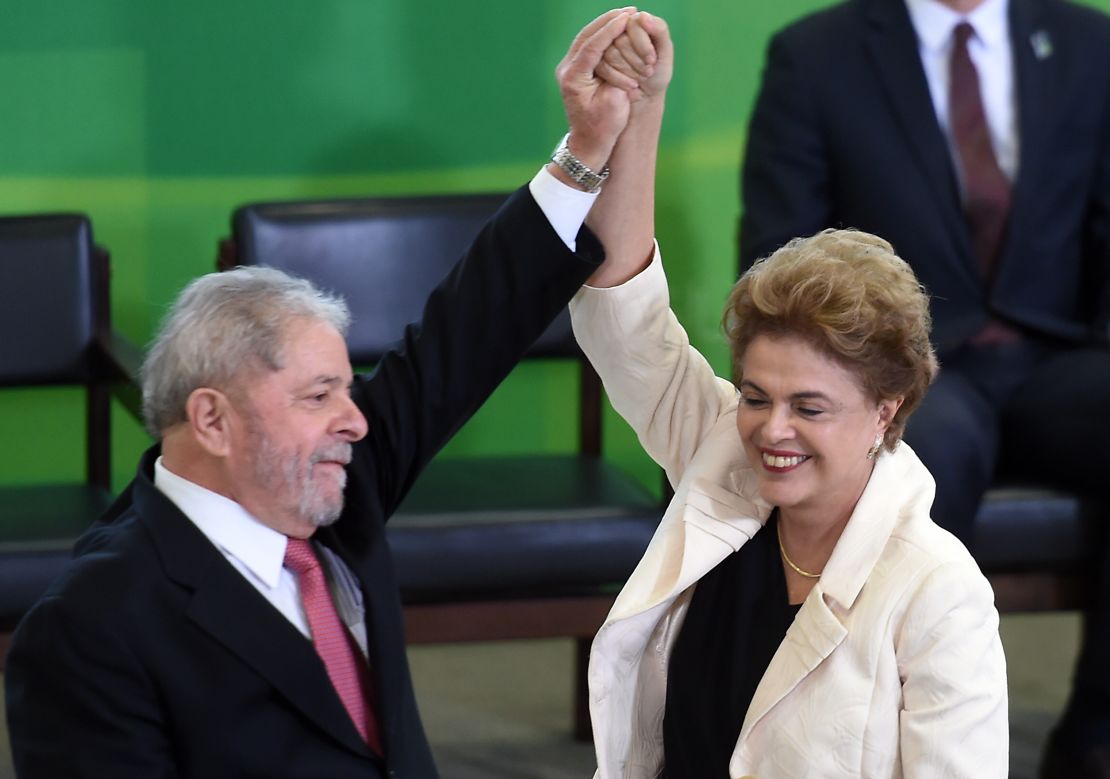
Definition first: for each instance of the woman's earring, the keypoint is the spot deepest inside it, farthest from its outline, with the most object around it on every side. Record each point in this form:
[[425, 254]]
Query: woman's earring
[[874, 450]]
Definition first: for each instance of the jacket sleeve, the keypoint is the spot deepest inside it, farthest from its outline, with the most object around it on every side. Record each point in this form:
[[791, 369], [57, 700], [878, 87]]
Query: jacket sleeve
[[656, 380], [953, 671], [785, 172], [477, 324], [78, 703]]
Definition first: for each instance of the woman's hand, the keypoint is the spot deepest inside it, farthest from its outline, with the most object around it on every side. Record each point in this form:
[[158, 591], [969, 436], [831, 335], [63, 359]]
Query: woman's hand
[[642, 53]]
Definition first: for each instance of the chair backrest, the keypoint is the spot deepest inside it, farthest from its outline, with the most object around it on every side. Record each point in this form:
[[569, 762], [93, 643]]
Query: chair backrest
[[52, 299], [53, 307], [385, 256]]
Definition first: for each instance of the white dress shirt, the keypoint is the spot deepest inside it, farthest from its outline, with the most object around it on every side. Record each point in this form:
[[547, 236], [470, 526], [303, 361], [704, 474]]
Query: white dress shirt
[[565, 207], [992, 54], [257, 551]]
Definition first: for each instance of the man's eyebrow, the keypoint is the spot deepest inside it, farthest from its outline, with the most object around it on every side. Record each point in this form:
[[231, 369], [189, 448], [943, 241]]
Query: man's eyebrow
[[328, 379]]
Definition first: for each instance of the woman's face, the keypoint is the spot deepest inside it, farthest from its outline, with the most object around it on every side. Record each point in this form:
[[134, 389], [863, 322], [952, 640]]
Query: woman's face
[[807, 427]]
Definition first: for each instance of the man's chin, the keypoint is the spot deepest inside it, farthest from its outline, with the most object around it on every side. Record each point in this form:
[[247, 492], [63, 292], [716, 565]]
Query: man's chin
[[327, 516], [326, 520]]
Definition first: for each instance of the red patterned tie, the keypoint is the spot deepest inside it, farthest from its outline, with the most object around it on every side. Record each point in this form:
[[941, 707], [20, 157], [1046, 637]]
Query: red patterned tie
[[346, 667], [986, 187]]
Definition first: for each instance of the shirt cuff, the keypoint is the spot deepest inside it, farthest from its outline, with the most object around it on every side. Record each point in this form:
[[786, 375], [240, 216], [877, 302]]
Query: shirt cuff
[[565, 207]]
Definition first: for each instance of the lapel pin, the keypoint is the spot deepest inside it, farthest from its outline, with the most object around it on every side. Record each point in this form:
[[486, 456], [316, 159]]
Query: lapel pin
[[1041, 42]]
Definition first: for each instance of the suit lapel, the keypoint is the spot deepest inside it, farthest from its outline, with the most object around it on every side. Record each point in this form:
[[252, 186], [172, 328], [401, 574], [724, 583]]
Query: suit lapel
[[892, 45], [1035, 61], [236, 615]]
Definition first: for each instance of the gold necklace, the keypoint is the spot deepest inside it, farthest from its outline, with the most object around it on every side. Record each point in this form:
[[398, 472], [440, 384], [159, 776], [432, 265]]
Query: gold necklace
[[791, 563]]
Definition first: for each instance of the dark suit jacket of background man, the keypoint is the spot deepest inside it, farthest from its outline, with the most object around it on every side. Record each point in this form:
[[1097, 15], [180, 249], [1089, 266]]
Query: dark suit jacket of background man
[[844, 134], [153, 657]]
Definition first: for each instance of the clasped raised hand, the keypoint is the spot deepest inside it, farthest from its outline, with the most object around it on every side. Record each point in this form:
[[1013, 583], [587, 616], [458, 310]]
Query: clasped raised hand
[[597, 108]]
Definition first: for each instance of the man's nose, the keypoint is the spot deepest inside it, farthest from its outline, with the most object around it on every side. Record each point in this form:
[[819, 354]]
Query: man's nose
[[352, 424]]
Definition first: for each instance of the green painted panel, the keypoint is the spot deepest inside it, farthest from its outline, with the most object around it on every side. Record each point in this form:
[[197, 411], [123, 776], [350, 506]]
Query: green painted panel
[[43, 435], [72, 112], [69, 24], [342, 86], [159, 118]]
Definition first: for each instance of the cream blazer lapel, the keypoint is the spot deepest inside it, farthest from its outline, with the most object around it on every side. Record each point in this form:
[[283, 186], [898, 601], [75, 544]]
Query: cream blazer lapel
[[709, 519], [820, 626], [714, 513]]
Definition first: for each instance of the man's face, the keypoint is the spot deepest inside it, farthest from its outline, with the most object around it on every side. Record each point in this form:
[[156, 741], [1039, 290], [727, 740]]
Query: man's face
[[296, 428]]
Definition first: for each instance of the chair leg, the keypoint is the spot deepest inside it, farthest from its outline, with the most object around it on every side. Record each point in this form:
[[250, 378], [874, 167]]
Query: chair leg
[[5, 643], [582, 729]]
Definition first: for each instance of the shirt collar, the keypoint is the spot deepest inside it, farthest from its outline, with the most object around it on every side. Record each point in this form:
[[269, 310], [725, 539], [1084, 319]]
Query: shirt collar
[[226, 524], [934, 21]]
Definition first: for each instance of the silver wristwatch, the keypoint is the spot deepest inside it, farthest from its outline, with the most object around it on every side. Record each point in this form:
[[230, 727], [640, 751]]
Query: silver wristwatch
[[576, 170]]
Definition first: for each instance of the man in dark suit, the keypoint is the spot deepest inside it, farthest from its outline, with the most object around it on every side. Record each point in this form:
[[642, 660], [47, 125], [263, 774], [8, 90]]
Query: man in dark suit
[[975, 136], [236, 613]]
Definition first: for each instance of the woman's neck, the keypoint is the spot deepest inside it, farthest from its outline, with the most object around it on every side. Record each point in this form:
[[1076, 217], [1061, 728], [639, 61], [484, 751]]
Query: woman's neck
[[808, 536]]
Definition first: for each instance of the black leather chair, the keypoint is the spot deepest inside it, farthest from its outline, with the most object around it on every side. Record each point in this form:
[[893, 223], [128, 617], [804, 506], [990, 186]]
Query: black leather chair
[[487, 548], [54, 316], [1039, 547]]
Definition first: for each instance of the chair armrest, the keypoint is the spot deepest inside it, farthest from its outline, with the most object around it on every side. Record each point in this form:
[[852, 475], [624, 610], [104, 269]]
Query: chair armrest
[[121, 362]]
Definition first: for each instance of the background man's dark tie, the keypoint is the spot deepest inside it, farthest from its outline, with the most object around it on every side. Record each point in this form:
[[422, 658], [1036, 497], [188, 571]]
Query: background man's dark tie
[[986, 189]]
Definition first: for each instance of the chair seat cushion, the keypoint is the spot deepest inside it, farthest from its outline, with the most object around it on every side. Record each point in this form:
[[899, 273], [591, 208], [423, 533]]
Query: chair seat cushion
[[504, 527], [37, 533], [1021, 528]]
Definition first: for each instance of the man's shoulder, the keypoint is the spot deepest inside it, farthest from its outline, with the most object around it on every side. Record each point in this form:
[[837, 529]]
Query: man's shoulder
[[826, 41], [1083, 25], [827, 26], [1076, 13], [110, 558], [97, 598], [115, 575]]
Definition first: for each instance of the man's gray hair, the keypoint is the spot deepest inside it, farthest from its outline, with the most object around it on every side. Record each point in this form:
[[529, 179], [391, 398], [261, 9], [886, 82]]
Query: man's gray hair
[[219, 325]]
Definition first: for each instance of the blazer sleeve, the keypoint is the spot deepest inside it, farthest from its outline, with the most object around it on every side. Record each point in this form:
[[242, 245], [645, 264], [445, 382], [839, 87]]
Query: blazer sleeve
[[954, 718], [785, 174], [78, 703], [659, 383], [477, 324]]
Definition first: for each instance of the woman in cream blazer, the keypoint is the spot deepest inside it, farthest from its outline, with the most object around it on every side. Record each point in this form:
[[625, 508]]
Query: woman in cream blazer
[[892, 664]]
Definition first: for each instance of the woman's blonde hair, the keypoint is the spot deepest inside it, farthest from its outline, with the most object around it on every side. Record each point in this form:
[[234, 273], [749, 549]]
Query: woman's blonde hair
[[850, 296]]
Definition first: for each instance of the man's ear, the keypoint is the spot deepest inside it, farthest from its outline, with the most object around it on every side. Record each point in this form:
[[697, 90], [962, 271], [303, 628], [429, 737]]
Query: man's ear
[[209, 413]]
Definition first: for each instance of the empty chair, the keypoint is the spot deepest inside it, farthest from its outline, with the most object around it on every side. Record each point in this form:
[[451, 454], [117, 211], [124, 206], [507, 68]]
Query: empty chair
[[54, 330], [1039, 547]]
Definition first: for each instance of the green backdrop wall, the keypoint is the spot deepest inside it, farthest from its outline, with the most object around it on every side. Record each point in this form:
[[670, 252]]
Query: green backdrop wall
[[157, 118]]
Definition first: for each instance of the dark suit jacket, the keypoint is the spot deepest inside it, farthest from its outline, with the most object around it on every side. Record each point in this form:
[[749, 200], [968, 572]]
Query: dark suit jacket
[[153, 657], [844, 134]]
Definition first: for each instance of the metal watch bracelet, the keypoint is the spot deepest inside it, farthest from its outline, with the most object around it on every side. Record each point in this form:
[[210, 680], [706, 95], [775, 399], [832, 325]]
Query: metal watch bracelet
[[578, 172]]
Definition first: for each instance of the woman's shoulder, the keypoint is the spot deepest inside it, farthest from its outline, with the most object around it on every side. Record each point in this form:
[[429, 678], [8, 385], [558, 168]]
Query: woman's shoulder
[[937, 570]]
